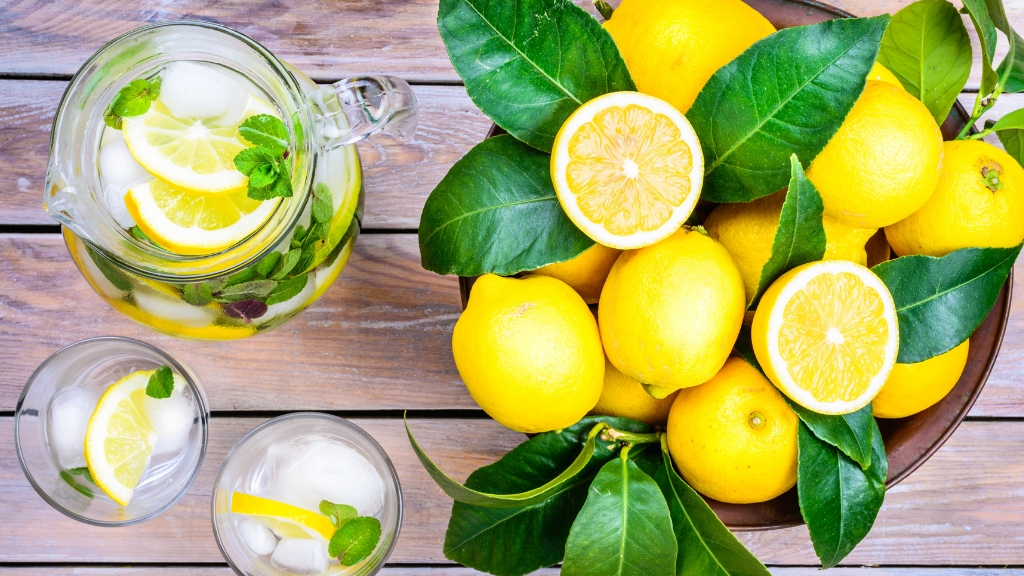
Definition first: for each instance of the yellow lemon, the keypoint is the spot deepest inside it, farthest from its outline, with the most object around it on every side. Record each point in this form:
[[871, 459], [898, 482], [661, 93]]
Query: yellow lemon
[[585, 273], [529, 352], [672, 48], [285, 520], [627, 169], [733, 438], [882, 74], [883, 163], [979, 202], [912, 388], [670, 313], [747, 230], [625, 397], [826, 334]]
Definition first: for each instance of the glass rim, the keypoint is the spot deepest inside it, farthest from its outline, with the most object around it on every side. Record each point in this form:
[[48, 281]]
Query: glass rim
[[177, 367], [312, 416]]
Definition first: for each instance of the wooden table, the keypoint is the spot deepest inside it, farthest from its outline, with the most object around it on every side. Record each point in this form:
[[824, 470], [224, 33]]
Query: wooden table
[[378, 343]]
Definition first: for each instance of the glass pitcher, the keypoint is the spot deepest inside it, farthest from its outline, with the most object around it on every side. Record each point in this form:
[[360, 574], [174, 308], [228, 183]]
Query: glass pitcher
[[158, 215]]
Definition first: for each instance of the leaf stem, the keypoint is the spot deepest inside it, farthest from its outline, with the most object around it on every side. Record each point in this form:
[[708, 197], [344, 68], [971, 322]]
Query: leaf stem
[[632, 438], [981, 106], [604, 8]]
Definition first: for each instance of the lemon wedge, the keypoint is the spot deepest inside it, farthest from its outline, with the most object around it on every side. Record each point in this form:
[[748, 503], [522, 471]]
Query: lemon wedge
[[826, 334], [192, 223], [192, 154], [283, 519], [627, 169], [119, 439]]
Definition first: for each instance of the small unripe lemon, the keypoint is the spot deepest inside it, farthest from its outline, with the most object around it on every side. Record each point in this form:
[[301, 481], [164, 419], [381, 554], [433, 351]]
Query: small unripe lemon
[[912, 388], [625, 397]]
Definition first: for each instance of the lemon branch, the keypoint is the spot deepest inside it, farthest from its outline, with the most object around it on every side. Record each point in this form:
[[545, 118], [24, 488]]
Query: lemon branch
[[981, 106], [630, 438]]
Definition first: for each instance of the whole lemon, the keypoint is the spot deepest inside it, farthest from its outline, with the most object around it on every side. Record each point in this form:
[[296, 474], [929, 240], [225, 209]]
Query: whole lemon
[[979, 202], [585, 273], [912, 388], [625, 397], [529, 352], [733, 438], [672, 48], [882, 74], [670, 312], [883, 163], [748, 229]]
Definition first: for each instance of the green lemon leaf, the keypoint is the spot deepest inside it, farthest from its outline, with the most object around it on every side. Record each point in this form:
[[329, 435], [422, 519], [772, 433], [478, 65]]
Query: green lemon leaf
[[479, 537], [800, 235], [338, 513], [705, 546], [941, 301], [1012, 140], [529, 64], [978, 11], [787, 94], [460, 493], [853, 434], [161, 383], [265, 131], [496, 211], [838, 500], [287, 290], [927, 47], [355, 540], [1011, 69], [624, 528]]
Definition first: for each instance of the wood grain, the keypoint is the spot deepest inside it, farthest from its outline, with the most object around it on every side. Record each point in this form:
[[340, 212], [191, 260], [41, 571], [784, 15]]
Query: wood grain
[[398, 176], [462, 571], [964, 505], [379, 339]]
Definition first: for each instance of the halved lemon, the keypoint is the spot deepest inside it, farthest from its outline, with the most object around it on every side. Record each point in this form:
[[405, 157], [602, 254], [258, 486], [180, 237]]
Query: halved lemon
[[189, 153], [193, 223], [826, 334], [119, 439], [285, 520], [627, 169]]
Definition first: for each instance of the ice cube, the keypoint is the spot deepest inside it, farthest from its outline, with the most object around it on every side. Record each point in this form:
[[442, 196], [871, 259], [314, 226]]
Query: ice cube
[[191, 90], [171, 418], [118, 168], [174, 310], [300, 556], [325, 469], [257, 537], [70, 411], [114, 198]]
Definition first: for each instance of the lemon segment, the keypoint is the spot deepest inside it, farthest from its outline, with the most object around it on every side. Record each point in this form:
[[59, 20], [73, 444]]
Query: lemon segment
[[119, 439], [826, 334], [189, 153], [283, 519], [190, 223], [627, 169]]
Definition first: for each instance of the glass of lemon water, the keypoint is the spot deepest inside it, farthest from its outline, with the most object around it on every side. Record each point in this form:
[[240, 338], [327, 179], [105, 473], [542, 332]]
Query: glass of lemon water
[[111, 431], [307, 493], [207, 189]]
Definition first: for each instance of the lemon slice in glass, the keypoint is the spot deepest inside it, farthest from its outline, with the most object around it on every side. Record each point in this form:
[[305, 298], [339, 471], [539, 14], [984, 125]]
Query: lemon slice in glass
[[826, 334], [627, 169], [119, 439], [192, 223], [283, 519], [189, 153]]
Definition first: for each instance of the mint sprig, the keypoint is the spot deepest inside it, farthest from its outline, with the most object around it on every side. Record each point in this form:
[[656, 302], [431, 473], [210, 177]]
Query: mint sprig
[[266, 163], [161, 383], [132, 100], [355, 537]]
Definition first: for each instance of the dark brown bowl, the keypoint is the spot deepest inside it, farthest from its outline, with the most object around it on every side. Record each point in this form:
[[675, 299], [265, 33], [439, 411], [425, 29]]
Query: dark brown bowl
[[910, 441]]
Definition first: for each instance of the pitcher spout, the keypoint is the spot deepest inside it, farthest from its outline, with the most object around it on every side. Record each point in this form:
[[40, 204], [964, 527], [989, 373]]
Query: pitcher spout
[[355, 108]]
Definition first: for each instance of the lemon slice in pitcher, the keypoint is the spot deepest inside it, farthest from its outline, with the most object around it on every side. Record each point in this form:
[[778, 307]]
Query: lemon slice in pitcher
[[191, 154], [119, 439], [826, 334], [627, 169], [192, 223], [285, 520]]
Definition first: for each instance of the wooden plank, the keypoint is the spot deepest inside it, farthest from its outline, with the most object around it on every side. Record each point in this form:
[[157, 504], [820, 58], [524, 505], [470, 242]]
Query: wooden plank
[[963, 507], [462, 571], [398, 177], [379, 339]]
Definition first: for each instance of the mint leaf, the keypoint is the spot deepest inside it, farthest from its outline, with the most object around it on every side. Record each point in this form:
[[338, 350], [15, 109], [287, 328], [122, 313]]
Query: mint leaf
[[139, 234], [248, 160], [288, 262], [338, 513], [280, 187], [265, 131], [263, 175], [240, 276], [323, 204], [132, 100], [246, 290], [68, 477], [197, 294], [161, 383], [83, 472], [247, 310], [287, 290], [355, 540], [265, 266]]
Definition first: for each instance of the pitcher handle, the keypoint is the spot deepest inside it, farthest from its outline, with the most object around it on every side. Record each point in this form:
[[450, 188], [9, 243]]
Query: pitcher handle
[[354, 108]]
